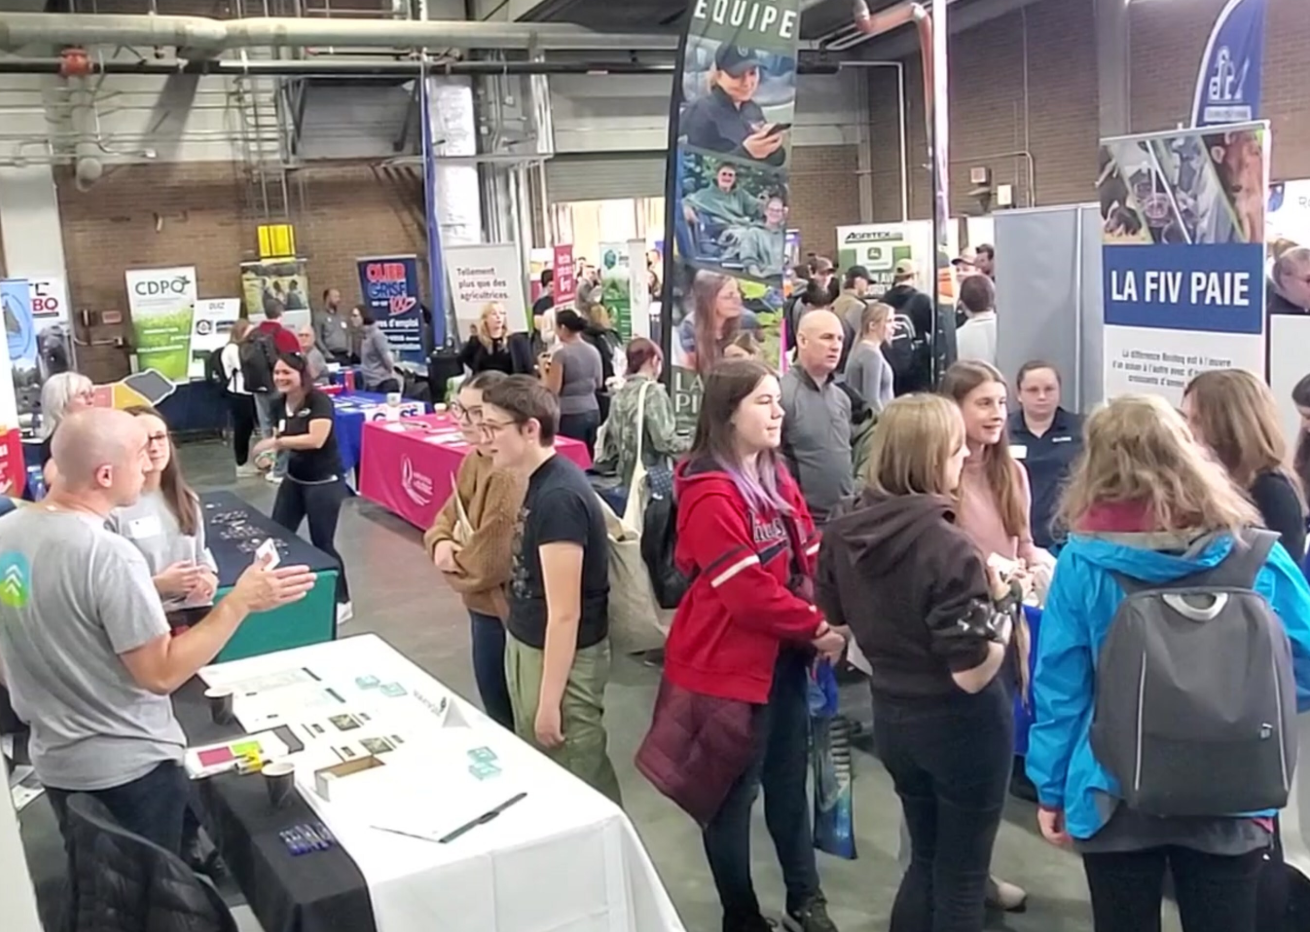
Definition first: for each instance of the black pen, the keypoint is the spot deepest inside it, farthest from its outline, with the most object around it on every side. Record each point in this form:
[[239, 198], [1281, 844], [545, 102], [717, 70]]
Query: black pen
[[482, 819]]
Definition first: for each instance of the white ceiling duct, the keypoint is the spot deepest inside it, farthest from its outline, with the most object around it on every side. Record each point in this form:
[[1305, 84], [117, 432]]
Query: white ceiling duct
[[205, 36]]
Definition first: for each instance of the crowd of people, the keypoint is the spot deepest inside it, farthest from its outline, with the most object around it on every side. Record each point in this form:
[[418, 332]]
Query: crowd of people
[[800, 502]]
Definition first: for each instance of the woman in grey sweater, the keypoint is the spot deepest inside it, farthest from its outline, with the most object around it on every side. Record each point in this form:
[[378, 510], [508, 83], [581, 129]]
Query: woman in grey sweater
[[867, 370], [376, 361]]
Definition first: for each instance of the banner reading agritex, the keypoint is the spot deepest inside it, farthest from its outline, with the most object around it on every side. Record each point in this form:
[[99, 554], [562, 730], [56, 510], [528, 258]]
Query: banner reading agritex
[[1184, 224], [1228, 87], [733, 106]]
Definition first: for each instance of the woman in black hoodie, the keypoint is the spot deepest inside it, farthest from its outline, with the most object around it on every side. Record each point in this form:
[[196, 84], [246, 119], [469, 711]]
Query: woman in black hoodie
[[943, 721]]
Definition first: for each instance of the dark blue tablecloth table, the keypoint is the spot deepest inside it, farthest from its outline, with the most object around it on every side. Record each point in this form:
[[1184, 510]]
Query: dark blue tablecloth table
[[351, 412]]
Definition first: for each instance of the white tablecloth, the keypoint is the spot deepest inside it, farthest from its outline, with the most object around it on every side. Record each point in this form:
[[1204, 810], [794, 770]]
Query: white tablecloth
[[565, 859], [1295, 819]]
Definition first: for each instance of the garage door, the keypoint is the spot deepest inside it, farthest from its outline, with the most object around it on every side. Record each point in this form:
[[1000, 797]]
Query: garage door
[[603, 176]]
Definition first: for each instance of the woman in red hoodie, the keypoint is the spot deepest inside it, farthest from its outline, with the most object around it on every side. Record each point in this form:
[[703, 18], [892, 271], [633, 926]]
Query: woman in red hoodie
[[732, 712]]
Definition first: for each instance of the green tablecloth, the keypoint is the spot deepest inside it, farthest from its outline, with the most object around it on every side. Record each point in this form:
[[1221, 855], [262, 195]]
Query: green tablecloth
[[309, 621]]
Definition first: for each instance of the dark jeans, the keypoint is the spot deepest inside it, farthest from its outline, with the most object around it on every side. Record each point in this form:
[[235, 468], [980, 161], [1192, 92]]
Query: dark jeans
[[320, 503], [1275, 895], [489, 668], [581, 427], [781, 766], [242, 409], [385, 387], [950, 761], [1214, 893], [152, 806]]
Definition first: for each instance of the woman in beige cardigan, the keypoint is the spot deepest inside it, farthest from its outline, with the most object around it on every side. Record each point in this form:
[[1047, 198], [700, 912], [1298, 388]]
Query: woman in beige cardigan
[[470, 543]]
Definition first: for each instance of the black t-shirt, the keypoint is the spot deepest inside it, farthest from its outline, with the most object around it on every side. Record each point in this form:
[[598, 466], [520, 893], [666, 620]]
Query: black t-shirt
[[312, 465], [1281, 510], [543, 304], [560, 506]]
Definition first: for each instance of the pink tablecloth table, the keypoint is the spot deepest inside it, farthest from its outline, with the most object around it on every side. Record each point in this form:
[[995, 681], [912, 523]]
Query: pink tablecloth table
[[408, 466]]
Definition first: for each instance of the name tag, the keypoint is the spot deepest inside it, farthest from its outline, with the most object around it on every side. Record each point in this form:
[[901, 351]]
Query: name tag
[[1019, 451], [282, 426], [141, 528], [1061, 440]]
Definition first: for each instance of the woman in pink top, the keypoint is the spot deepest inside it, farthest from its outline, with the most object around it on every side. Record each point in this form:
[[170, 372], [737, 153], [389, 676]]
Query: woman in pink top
[[994, 495]]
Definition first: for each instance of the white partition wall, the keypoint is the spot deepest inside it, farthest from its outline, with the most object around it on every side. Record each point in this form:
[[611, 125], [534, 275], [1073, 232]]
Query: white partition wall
[[1048, 295]]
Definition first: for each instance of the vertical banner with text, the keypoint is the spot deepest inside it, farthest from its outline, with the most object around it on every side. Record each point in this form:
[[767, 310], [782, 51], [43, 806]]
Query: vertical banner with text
[[1228, 87], [616, 286], [162, 303], [734, 104], [482, 275], [1183, 220], [390, 288], [39, 334], [566, 282]]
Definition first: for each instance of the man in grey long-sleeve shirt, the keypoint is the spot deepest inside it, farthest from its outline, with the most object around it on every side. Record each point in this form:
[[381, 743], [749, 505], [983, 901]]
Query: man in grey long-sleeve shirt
[[816, 429], [332, 329]]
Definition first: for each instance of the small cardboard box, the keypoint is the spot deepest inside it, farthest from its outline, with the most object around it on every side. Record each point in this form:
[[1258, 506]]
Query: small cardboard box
[[326, 778]]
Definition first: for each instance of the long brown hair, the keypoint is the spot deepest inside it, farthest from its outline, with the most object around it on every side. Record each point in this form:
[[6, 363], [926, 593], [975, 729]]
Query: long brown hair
[[916, 437], [729, 383], [1238, 420], [999, 467], [182, 500], [1301, 462], [1139, 451], [705, 290]]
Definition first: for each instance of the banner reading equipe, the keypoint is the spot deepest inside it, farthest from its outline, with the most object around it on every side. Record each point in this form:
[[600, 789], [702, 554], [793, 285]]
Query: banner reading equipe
[[726, 195], [1228, 87], [162, 303], [482, 274], [1183, 256], [390, 287]]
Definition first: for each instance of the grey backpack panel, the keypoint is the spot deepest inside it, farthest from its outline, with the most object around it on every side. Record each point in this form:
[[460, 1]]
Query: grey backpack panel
[[1195, 697]]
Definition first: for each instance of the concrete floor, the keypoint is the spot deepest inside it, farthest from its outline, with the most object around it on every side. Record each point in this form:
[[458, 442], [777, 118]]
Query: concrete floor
[[400, 596]]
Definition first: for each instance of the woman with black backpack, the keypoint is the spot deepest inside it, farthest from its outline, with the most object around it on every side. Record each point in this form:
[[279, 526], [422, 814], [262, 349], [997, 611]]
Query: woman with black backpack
[[1165, 689], [240, 402]]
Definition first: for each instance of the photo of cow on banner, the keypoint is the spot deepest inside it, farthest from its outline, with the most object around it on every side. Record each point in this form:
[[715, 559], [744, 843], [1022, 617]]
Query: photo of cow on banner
[[728, 195], [1183, 228]]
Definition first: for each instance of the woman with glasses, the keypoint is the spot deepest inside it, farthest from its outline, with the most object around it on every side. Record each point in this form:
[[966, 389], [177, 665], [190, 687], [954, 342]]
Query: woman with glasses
[[61, 395], [470, 543], [168, 526], [315, 487]]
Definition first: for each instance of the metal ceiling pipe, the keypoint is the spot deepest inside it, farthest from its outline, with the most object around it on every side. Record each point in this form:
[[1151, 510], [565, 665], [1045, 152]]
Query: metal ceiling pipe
[[339, 68], [204, 35]]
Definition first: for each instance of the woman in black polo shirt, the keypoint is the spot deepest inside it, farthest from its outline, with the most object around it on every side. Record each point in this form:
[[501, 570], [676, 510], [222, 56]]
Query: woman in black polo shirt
[[314, 486], [1046, 439]]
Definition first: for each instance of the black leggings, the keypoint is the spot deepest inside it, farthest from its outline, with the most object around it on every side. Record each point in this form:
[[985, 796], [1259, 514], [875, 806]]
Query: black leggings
[[242, 409], [1215, 894], [321, 504]]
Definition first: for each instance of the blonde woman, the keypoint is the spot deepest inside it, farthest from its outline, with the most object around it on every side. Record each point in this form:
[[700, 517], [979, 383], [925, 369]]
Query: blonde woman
[[943, 719], [867, 370], [1235, 415], [494, 348], [1146, 506]]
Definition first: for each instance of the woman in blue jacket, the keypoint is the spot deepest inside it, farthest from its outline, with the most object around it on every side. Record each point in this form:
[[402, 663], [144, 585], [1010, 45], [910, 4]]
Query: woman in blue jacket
[[1145, 503]]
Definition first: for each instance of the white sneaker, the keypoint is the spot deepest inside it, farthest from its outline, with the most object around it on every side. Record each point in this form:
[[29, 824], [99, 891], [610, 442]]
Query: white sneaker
[[345, 612], [276, 480], [247, 471]]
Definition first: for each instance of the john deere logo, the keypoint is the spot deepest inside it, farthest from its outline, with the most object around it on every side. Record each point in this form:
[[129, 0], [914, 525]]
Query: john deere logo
[[15, 580]]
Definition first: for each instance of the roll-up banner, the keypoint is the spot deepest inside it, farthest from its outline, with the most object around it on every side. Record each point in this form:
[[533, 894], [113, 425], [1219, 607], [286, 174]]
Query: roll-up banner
[[40, 338], [1228, 86], [390, 287], [1183, 259], [727, 192], [163, 303]]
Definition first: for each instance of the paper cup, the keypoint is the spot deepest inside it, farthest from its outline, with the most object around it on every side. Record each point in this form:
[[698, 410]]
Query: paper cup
[[280, 781], [221, 705]]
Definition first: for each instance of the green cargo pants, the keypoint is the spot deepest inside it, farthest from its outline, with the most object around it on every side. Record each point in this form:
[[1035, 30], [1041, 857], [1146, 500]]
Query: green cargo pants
[[582, 710]]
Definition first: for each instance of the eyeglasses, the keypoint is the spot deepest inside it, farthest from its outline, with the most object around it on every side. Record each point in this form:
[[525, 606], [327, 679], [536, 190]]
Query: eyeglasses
[[465, 415], [157, 438], [493, 428]]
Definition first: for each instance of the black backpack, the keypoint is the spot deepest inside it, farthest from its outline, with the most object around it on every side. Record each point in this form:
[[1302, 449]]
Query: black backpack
[[214, 374], [258, 356], [658, 537]]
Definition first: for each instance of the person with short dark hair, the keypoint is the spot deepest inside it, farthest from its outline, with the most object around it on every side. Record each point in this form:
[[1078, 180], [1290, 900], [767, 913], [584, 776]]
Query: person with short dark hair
[[332, 328], [1046, 440], [976, 339], [984, 260], [575, 375], [547, 299], [557, 655], [377, 363], [315, 486], [849, 308]]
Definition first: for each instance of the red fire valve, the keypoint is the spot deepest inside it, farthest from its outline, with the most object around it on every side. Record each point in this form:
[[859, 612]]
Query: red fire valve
[[74, 63]]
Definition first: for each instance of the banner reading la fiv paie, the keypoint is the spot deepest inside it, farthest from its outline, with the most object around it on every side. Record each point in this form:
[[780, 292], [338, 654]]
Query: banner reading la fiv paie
[[727, 196], [1228, 87], [1183, 257], [390, 287]]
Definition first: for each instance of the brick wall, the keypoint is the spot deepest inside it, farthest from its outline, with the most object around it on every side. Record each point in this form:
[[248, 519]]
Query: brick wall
[[825, 194], [1168, 40]]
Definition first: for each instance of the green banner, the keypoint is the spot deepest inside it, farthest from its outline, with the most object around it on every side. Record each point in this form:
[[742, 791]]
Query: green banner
[[162, 303], [727, 190]]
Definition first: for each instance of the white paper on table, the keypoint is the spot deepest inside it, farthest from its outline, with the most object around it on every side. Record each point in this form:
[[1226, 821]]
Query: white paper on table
[[287, 705], [271, 747], [217, 677]]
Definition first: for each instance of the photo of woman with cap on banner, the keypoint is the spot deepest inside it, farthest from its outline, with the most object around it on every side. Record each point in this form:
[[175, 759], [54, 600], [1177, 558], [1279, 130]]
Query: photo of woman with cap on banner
[[724, 110]]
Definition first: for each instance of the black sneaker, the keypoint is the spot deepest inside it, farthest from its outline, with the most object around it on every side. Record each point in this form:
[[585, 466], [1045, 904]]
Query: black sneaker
[[812, 917]]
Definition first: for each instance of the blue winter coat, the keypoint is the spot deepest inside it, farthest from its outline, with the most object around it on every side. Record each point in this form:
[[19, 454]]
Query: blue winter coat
[[1079, 608]]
